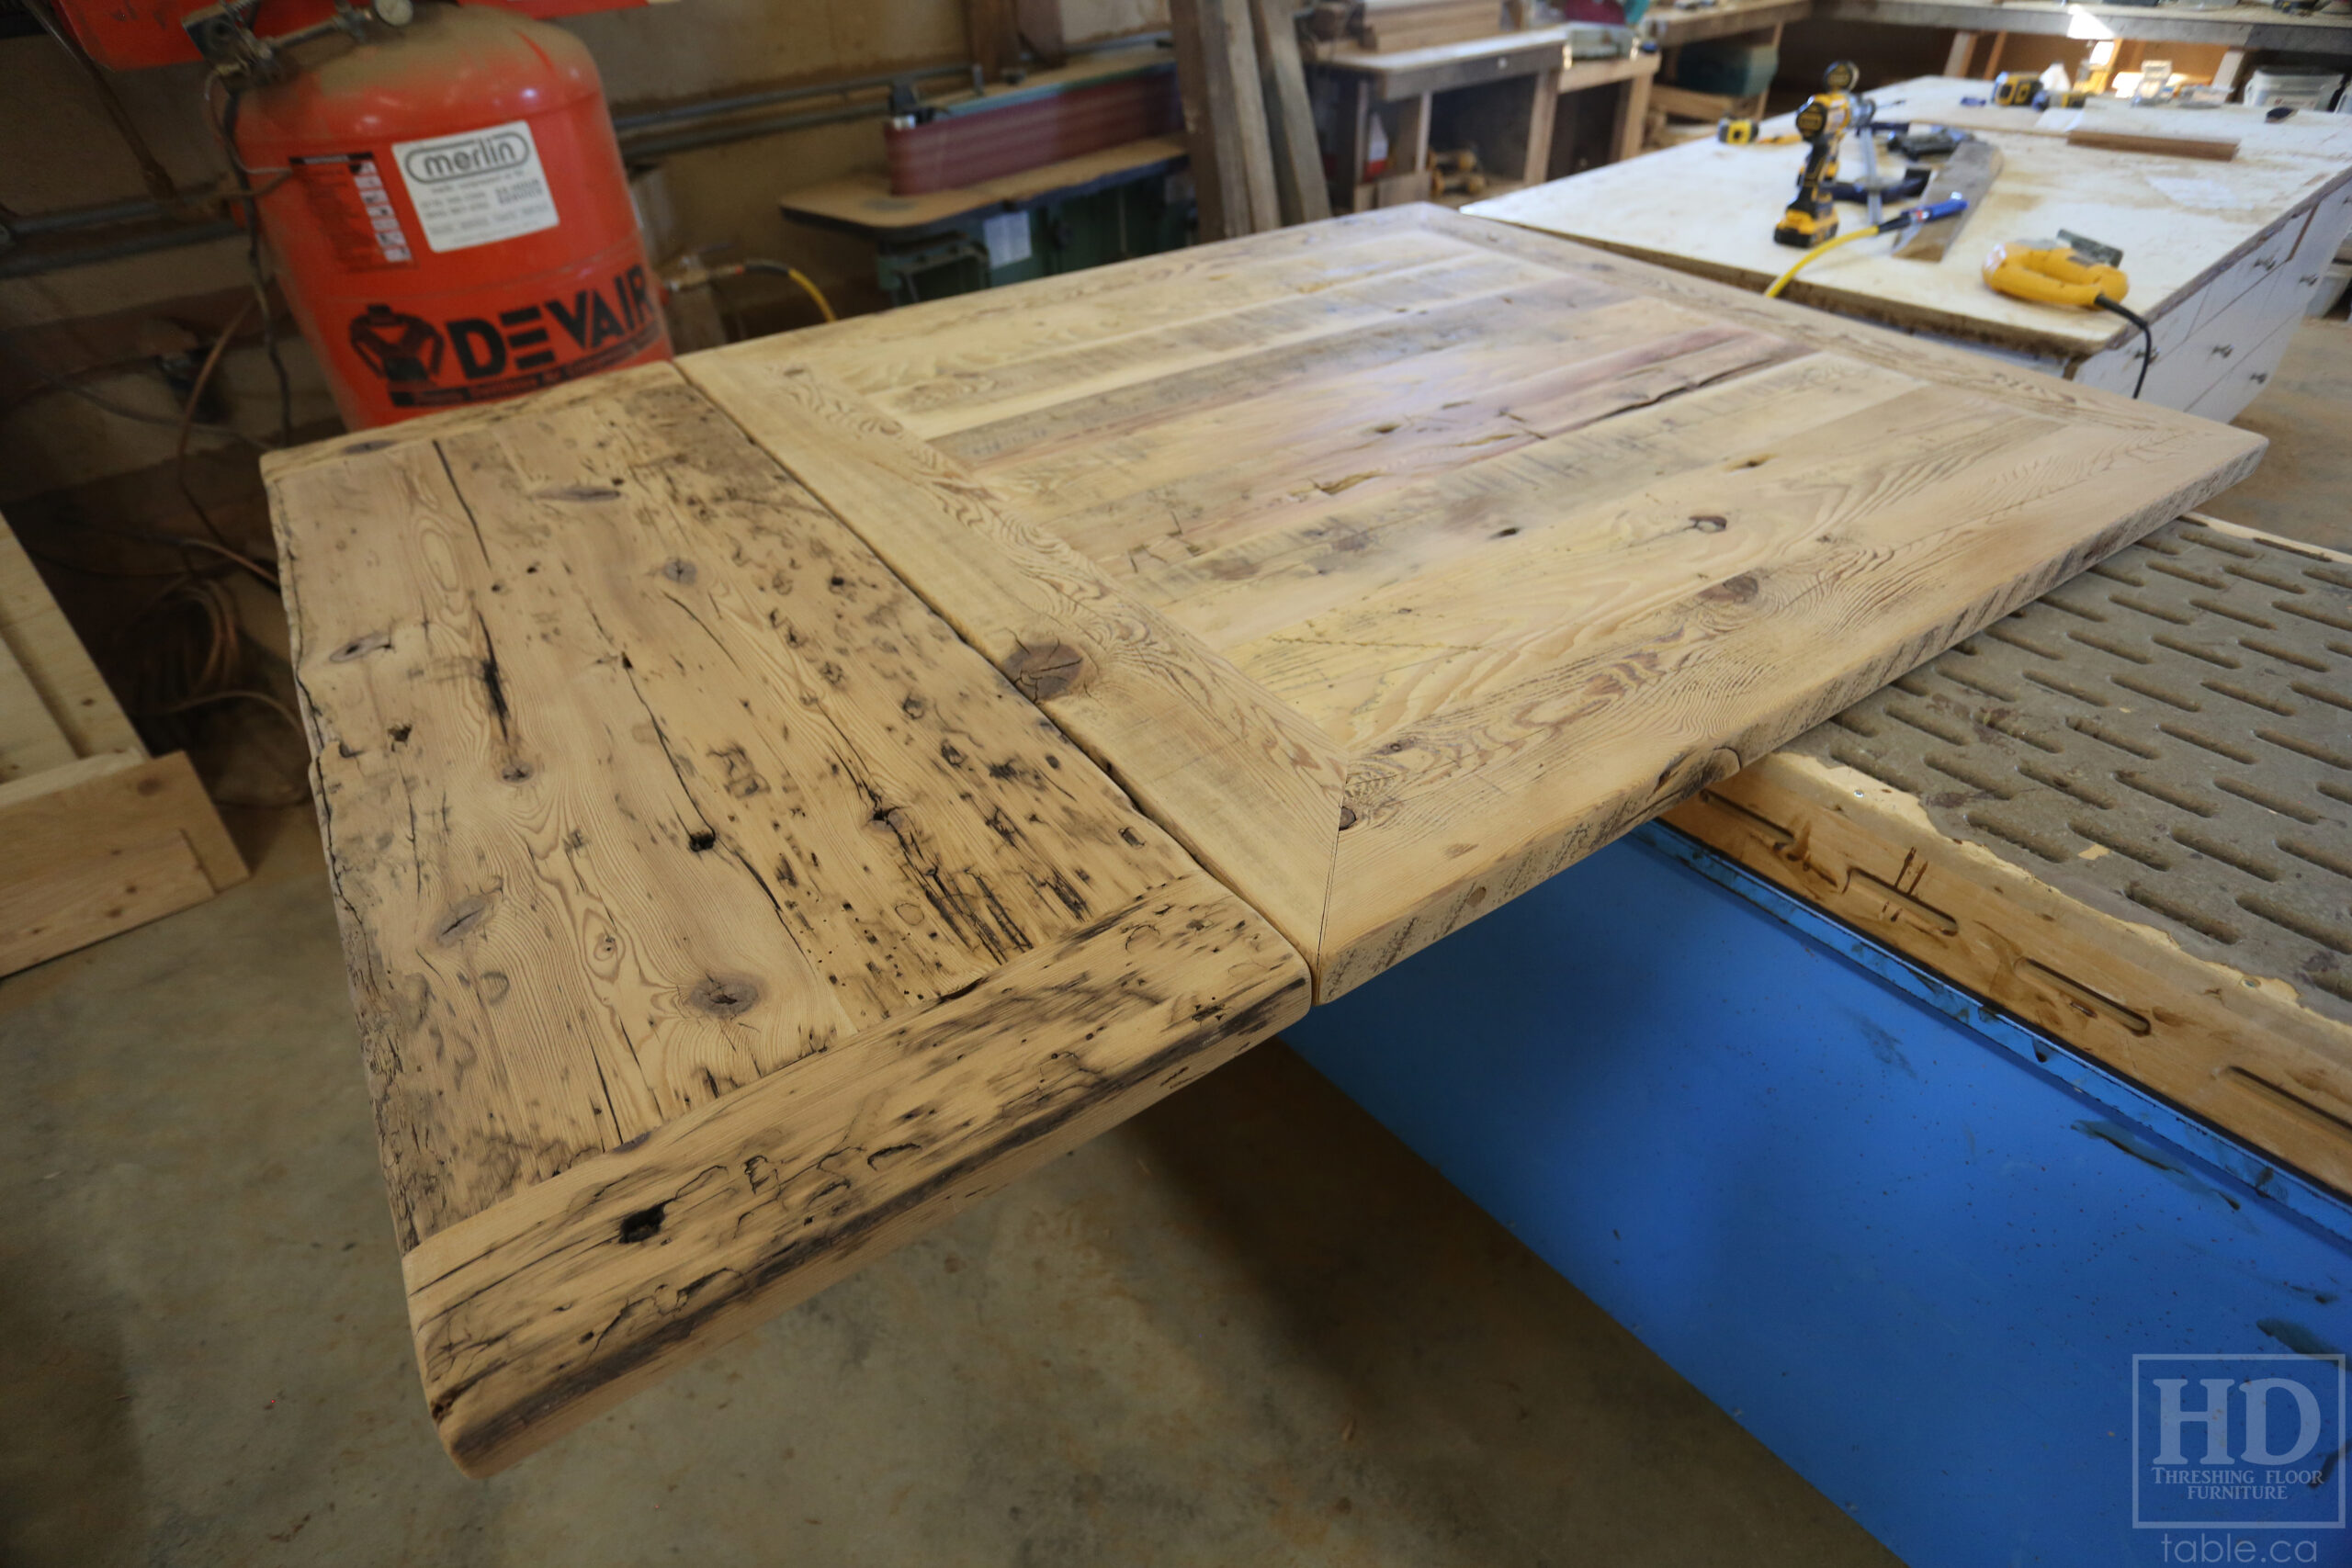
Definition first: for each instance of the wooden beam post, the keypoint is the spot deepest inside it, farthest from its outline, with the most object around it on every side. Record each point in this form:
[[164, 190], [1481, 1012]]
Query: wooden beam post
[[1299, 186], [1224, 118]]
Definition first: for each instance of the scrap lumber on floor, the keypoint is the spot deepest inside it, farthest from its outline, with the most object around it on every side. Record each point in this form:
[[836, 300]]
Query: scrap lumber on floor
[[96, 836]]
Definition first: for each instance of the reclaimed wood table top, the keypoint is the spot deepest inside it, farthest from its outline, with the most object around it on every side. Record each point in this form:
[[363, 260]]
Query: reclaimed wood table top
[[716, 918], [772, 798], [1709, 209]]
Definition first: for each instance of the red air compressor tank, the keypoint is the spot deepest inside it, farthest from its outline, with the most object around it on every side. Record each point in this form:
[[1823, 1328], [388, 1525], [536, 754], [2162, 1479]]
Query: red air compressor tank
[[449, 215]]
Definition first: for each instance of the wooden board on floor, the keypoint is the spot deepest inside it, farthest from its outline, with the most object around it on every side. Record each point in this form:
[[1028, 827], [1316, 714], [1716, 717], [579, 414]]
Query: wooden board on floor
[[103, 844], [1709, 209], [95, 837], [716, 920], [34, 635], [1396, 563]]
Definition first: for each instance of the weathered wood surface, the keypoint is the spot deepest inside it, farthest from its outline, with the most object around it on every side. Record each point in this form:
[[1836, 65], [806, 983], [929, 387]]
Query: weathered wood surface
[[102, 844], [39, 648], [716, 918], [1709, 209], [1395, 563]]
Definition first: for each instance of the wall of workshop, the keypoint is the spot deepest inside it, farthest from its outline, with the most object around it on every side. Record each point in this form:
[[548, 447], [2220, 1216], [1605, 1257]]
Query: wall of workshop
[[58, 150]]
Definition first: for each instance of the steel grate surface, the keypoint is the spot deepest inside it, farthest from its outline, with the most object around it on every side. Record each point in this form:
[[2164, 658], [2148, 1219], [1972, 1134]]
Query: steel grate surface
[[2166, 738]]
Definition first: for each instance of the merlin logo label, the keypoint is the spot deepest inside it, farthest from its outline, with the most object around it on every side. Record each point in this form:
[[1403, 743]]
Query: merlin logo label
[[471, 359], [462, 157], [477, 188]]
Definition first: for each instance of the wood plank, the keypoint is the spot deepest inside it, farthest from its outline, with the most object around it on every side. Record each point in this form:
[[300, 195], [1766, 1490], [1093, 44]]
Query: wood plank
[[54, 663], [1247, 785], [1969, 172], [1458, 606], [103, 844], [541, 1312], [659, 809], [2213, 148], [95, 897], [1290, 120], [1224, 118], [31, 741]]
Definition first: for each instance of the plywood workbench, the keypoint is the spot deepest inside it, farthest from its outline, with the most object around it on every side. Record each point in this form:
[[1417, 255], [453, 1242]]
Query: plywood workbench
[[773, 799], [1508, 87], [2222, 256]]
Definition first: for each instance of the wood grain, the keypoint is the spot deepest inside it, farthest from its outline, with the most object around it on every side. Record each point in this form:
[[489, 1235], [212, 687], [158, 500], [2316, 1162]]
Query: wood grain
[[655, 802], [1249, 787], [100, 845], [34, 633], [540, 1312], [1400, 560]]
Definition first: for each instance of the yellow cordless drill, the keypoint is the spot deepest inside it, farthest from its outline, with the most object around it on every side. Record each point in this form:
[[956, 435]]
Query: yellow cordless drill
[[1812, 218]]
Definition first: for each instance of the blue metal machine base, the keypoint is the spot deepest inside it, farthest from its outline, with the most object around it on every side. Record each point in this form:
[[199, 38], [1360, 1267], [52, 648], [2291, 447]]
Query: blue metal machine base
[[1914, 1255]]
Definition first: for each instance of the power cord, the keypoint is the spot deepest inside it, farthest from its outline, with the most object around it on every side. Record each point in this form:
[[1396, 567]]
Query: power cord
[[2148, 354]]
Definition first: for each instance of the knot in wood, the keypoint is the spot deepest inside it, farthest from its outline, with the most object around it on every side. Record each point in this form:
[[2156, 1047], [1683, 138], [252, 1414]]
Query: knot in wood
[[1042, 673], [1732, 590], [724, 996]]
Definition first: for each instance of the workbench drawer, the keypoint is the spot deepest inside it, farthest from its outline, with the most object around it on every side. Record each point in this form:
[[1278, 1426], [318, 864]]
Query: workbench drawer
[[2306, 269], [2249, 273], [2117, 369], [2214, 351], [2248, 372]]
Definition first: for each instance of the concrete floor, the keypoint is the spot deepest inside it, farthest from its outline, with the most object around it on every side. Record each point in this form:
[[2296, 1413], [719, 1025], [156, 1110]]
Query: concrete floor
[[2303, 490], [1247, 1327]]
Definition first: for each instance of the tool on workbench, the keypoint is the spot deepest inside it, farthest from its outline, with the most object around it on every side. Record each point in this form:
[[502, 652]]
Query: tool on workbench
[[2069, 270], [2015, 89], [1741, 132], [1969, 172], [1456, 174], [1812, 218], [1892, 223], [2024, 90]]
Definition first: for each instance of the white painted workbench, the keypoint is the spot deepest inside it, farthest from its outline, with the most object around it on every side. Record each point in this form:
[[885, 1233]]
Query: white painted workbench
[[2224, 257]]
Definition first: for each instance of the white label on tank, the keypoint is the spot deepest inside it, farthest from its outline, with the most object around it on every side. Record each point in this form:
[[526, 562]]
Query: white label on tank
[[477, 188], [1007, 239]]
